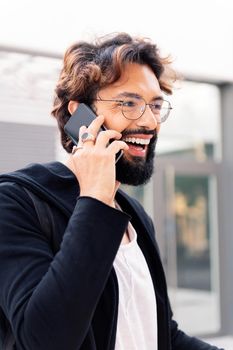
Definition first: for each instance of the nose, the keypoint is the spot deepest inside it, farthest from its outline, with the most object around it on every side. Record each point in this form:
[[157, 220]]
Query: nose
[[148, 120]]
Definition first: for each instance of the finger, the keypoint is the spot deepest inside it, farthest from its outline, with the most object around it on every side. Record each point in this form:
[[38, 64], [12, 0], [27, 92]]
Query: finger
[[79, 144], [95, 125], [75, 149], [86, 139], [82, 129], [105, 136], [93, 129], [116, 146]]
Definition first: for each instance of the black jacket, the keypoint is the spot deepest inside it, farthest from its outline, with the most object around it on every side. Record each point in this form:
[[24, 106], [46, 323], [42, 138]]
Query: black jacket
[[69, 300]]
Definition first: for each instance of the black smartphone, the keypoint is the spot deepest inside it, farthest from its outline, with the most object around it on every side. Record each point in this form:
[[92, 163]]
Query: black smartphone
[[82, 116]]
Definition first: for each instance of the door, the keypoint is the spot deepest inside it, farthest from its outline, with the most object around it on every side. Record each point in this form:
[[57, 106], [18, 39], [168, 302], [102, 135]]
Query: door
[[185, 210]]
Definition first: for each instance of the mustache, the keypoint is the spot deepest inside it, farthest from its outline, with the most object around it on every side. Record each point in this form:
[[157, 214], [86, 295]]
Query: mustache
[[139, 132]]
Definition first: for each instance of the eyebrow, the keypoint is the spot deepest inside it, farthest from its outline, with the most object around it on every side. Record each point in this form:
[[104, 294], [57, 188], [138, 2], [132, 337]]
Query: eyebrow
[[135, 95]]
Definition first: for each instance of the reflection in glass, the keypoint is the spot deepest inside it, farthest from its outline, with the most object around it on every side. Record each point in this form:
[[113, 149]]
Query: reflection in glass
[[192, 255], [192, 232]]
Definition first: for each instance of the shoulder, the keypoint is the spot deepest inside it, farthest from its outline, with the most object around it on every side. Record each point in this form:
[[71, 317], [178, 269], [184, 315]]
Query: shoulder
[[32, 172], [14, 203], [12, 191]]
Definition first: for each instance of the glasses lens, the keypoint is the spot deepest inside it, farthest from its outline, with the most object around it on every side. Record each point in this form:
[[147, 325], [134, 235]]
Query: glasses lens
[[161, 110], [133, 108]]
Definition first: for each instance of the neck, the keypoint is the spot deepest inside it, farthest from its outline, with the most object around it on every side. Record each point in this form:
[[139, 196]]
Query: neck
[[117, 185]]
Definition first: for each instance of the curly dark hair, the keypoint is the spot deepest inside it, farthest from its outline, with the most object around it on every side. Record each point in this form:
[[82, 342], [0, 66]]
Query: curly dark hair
[[89, 67]]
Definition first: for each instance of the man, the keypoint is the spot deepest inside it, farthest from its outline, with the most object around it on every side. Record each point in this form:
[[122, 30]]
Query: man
[[97, 282]]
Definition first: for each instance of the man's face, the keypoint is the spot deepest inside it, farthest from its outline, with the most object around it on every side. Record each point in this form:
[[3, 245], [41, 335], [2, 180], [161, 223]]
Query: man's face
[[135, 167]]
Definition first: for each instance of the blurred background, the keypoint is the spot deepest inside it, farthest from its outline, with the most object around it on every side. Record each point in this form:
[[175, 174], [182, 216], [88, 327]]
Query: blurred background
[[191, 194]]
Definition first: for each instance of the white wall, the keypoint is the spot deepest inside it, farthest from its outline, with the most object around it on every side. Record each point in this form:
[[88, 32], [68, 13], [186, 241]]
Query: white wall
[[198, 34]]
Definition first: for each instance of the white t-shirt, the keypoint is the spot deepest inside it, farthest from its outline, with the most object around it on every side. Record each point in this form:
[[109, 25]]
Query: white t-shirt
[[137, 311]]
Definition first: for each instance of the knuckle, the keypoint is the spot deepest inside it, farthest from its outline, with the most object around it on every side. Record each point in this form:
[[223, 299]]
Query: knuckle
[[102, 133]]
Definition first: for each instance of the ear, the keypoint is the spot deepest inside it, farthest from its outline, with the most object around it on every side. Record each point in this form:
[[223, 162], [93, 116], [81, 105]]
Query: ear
[[72, 106]]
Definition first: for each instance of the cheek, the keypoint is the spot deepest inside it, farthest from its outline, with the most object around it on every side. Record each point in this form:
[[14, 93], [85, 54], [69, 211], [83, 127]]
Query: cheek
[[114, 120], [117, 123]]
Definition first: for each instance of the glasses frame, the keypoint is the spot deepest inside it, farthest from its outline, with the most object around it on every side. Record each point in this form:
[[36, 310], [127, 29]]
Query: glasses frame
[[146, 104]]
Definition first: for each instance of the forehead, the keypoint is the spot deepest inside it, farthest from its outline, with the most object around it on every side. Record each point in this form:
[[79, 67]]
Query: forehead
[[136, 78]]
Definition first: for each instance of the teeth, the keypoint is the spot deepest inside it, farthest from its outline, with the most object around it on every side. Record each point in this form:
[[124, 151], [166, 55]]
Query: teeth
[[137, 140]]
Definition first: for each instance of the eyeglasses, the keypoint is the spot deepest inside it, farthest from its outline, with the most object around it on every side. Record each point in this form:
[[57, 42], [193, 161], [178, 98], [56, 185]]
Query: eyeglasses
[[134, 107]]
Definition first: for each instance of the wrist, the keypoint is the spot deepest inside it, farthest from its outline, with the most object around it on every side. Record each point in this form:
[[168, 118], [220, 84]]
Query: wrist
[[100, 197]]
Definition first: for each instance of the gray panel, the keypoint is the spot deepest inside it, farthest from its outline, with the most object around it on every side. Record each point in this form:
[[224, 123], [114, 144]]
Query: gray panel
[[226, 212], [22, 144]]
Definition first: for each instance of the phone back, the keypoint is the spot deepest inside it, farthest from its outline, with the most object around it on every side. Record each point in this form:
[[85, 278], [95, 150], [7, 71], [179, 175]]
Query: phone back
[[82, 116]]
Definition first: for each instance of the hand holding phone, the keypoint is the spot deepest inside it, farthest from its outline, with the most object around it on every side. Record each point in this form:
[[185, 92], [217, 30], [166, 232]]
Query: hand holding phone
[[82, 116], [93, 165]]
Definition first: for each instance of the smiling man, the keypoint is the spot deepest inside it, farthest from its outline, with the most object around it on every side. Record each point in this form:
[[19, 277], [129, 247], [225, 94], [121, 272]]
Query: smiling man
[[87, 273]]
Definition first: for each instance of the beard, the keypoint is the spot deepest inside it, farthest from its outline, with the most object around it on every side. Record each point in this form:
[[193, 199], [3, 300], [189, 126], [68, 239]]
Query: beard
[[137, 171]]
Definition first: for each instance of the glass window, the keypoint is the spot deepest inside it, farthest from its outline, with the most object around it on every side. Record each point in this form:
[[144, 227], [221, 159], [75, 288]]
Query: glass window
[[144, 194], [191, 254], [193, 128]]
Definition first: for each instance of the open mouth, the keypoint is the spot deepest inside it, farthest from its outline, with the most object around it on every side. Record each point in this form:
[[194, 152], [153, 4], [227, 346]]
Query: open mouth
[[136, 142], [138, 145]]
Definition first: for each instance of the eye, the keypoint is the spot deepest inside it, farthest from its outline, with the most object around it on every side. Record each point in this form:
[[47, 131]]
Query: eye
[[156, 106], [129, 103], [116, 103]]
